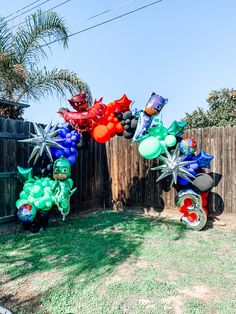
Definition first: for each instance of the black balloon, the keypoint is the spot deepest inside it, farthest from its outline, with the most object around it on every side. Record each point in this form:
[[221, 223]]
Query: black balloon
[[127, 115], [127, 127], [34, 226], [43, 217], [134, 123], [26, 226], [86, 136], [203, 182], [127, 134], [119, 116], [82, 144], [44, 172], [50, 167]]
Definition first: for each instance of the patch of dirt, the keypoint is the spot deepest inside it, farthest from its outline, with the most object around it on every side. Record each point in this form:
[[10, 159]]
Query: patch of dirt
[[148, 303], [27, 291], [145, 264], [174, 275], [202, 293], [114, 229], [123, 273]]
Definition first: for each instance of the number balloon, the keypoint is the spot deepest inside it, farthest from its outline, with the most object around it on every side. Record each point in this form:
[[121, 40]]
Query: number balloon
[[195, 207]]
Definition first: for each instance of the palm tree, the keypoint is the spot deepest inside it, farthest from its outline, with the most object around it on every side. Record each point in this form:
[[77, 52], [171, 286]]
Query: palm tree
[[20, 53]]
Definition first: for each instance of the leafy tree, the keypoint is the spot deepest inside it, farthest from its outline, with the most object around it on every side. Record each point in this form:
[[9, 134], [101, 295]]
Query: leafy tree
[[221, 112], [20, 53]]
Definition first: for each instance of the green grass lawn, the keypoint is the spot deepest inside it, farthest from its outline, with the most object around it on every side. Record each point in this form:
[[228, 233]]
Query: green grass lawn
[[118, 263]]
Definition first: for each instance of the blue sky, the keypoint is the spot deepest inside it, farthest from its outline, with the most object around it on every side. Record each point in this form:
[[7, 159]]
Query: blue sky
[[181, 49]]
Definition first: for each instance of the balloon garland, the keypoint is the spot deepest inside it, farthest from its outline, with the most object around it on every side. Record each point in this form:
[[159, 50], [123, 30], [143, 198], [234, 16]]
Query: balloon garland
[[56, 149], [40, 194], [177, 159]]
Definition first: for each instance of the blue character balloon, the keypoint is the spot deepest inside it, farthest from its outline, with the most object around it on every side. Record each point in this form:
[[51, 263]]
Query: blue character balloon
[[144, 123], [155, 104], [152, 108]]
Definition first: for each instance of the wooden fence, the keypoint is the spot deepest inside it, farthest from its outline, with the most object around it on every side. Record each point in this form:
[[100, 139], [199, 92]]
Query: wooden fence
[[88, 174], [133, 183], [116, 171]]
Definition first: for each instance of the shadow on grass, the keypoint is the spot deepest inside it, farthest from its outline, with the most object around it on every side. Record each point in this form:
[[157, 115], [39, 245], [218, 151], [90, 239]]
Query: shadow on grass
[[81, 250]]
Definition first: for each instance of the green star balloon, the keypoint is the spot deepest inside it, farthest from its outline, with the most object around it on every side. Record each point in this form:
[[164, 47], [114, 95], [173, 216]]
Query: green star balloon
[[177, 128], [24, 174]]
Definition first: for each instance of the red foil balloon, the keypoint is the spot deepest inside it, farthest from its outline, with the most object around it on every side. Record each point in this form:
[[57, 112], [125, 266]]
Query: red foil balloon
[[123, 104], [84, 119]]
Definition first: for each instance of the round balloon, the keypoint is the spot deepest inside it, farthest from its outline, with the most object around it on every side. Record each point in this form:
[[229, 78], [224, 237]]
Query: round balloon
[[170, 140], [150, 147], [101, 134], [26, 213], [203, 182]]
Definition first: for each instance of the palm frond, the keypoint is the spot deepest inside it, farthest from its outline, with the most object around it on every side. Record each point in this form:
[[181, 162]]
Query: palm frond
[[44, 83], [5, 37], [41, 27]]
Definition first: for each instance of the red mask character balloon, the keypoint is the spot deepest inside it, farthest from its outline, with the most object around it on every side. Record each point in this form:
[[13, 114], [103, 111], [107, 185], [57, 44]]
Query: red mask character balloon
[[79, 102], [84, 119]]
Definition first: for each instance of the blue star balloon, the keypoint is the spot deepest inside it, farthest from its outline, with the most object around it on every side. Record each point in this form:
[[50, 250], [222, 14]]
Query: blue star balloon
[[203, 159]]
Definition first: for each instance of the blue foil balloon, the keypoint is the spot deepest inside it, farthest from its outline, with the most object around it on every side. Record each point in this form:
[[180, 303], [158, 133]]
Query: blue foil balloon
[[144, 123], [203, 159], [155, 104]]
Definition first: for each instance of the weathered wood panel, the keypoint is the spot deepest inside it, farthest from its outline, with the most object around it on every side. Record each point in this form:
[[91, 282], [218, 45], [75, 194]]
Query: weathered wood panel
[[134, 184], [12, 154]]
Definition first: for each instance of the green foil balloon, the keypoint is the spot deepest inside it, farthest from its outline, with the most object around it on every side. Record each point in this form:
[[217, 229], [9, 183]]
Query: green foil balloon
[[62, 186], [177, 128]]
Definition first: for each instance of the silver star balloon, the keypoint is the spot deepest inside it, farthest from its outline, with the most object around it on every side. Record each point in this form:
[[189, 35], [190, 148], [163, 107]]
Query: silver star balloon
[[174, 165], [43, 140]]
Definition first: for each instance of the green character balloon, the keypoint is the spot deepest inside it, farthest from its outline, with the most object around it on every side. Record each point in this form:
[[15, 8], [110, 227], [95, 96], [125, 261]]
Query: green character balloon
[[62, 187]]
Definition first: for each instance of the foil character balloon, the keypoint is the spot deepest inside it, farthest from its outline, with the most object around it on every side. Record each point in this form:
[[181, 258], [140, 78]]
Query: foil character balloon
[[62, 187], [144, 123], [84, 118], [196, 217], [155, 104], [26, 213], [188, 146], [152, 108], [79, 102]]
